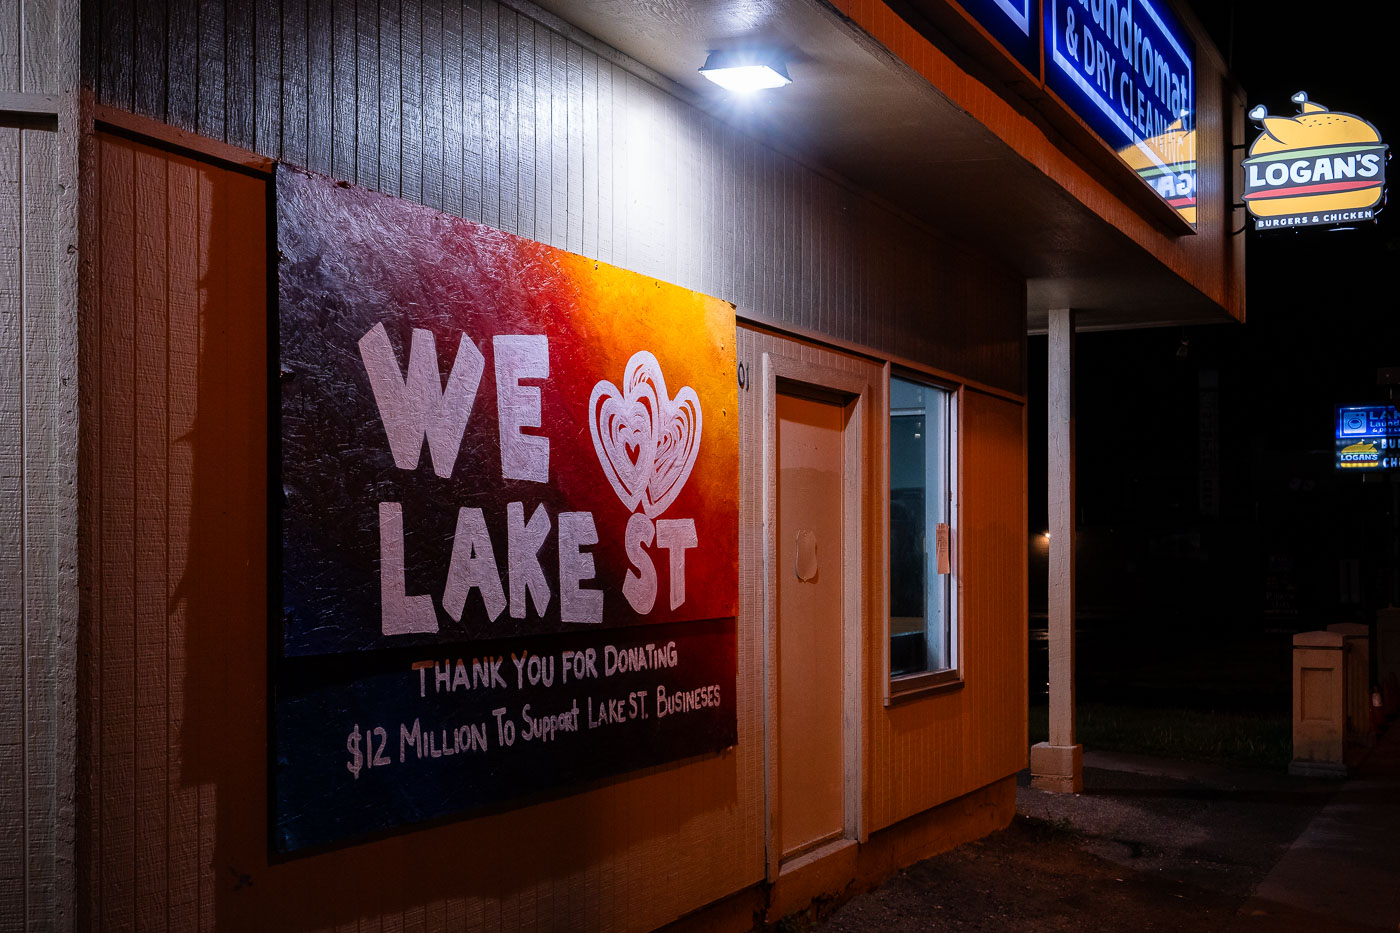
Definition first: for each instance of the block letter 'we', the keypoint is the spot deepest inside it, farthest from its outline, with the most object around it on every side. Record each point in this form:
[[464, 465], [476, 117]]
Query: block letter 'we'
[[416, 406]]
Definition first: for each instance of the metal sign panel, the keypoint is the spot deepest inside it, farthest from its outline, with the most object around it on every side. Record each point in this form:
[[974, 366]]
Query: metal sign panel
[[508, 508], [1127, 68]]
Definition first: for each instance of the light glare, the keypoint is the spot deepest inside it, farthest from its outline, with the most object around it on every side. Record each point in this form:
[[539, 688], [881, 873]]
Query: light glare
[[744, 79]]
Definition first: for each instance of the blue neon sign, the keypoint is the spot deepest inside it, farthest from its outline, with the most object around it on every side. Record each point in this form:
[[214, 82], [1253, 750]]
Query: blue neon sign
[[1368, 437], [1014, 24], [1127, 68], [1367, 421], [1019, 12]]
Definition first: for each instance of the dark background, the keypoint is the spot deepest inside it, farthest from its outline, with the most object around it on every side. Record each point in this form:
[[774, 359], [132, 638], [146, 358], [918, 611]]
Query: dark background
[[1191, 581]]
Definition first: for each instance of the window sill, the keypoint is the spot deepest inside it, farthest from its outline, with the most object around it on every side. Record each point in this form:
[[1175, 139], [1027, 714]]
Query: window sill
[[917, 686]]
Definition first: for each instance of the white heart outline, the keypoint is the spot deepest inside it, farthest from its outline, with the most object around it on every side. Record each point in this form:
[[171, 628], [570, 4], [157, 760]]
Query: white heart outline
[[615, 417], [666, 456], [677, 444]]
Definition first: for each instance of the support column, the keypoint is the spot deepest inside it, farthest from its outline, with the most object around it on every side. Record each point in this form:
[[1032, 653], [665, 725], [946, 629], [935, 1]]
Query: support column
[[1058, 765]]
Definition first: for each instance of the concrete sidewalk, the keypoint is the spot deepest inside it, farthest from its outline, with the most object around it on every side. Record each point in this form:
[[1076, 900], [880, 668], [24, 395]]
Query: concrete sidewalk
[[1161, 845], [1343, 870]]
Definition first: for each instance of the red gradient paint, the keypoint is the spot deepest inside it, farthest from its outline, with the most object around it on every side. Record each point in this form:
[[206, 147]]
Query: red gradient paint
[[351, 259]]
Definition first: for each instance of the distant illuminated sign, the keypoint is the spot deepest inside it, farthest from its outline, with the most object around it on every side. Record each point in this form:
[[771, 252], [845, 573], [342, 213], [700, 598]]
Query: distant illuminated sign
[[1318, 168], [1368, 437], [1362, 455], [1127, 68]]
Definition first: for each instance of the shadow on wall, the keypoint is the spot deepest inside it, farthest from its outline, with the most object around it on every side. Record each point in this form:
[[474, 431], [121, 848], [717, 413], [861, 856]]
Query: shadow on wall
[[223, 591]]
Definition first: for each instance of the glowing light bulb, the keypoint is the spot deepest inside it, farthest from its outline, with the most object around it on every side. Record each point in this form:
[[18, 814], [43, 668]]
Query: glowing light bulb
[[744, 71]]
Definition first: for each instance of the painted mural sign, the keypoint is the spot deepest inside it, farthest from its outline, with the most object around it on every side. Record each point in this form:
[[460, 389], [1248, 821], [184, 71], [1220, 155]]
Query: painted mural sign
[[508, 517], [1127, 68], [1318, 168]]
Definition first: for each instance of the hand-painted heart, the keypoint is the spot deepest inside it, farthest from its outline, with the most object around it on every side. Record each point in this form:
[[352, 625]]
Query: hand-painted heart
[[621, 423], [677, 445], [646, 441]]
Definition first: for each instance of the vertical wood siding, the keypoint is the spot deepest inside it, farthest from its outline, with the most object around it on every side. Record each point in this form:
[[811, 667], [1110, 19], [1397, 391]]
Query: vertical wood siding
[[923, 752], [31, 545], [37, 490], [478, 110]]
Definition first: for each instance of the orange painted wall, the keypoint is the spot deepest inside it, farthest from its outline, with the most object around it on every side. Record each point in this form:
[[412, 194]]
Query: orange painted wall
[[173, 639], [173, 655], [926, 751]]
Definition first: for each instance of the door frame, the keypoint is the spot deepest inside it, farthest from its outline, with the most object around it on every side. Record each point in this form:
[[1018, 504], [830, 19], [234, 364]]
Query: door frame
[[858, 384]]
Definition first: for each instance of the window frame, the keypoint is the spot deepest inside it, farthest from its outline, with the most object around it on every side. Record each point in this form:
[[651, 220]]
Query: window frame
[[922, 683]]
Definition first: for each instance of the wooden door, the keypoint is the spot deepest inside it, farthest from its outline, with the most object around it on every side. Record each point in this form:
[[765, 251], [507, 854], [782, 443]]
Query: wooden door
[[811, 612]]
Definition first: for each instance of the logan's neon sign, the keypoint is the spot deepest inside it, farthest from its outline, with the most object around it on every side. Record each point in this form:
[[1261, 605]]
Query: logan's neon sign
[[1316, 168]]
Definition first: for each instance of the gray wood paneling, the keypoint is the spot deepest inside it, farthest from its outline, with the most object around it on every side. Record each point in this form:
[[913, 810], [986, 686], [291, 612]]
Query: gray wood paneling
[[38, 328], [476, 108], [208, 80], [10, 45], [36, 741], [364, 108], [13, 707]]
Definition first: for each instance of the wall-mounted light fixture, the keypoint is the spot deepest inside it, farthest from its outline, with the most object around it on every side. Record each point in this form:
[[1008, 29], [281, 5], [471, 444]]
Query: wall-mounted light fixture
[[745, 70]]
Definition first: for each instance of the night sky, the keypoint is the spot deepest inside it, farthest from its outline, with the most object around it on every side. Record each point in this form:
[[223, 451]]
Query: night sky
[[1177, 565]]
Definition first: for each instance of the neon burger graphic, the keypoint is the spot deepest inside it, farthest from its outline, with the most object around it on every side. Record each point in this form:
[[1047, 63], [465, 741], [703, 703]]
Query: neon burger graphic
[[1319, 167], [1362, 454]]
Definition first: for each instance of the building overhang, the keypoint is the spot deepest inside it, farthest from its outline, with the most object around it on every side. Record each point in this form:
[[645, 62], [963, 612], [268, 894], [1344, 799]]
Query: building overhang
[[975, 164]]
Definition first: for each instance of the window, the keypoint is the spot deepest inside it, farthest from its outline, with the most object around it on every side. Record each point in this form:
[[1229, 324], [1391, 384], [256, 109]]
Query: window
[[923, 631]]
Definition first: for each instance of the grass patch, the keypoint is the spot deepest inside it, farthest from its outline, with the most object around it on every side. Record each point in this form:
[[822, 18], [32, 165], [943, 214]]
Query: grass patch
[[1247, 739]]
